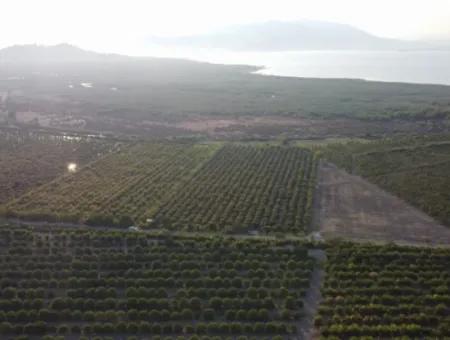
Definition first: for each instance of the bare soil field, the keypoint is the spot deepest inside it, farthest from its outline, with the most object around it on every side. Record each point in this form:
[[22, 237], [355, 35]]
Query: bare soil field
[[350, 207]]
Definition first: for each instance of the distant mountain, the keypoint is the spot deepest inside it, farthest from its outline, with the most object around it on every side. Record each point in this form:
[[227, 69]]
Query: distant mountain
[[442, 44], [289, 36], [61, 53]]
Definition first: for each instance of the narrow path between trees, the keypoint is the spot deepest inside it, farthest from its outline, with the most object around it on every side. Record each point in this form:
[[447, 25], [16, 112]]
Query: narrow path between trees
[[155, 232], [313, 297]]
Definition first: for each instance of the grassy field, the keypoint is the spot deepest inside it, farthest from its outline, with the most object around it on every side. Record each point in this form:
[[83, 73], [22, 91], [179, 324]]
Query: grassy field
[[385, 292], [414, 168], [73, 282]]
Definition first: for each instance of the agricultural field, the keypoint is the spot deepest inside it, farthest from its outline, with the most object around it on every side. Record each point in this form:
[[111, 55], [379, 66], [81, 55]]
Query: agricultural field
[[350, 207], [413, 168], [78, 282], [183, 186], [121, 189], [28, 160], [380, 292], [264, 188]]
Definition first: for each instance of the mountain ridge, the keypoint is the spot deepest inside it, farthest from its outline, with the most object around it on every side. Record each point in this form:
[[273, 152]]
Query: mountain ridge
[[289, 36], [59, 53]]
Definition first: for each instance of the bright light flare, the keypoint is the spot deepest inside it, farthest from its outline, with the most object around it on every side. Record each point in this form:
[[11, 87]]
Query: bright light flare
[[72, 167]]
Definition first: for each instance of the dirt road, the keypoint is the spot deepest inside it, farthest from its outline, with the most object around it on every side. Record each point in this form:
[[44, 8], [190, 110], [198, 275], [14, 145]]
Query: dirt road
[[313, 297]]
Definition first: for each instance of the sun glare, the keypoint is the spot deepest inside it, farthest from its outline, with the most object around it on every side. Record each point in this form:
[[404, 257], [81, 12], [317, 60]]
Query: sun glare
[[72, 167]]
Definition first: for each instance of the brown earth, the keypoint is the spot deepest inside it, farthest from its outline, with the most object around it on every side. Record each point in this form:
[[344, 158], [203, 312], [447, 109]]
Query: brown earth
[[350, 207]]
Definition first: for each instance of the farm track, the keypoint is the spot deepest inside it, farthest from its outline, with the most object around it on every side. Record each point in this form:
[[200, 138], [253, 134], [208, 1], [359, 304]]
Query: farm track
[[156, 232], [313, 297]]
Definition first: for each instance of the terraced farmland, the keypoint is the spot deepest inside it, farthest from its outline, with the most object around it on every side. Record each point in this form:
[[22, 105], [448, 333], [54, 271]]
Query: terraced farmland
[[385, 292], [120, 189], [266, 188], [81, 282]]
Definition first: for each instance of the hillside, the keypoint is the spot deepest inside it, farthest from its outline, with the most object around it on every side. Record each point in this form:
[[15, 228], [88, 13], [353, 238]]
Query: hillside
[[62, 53]]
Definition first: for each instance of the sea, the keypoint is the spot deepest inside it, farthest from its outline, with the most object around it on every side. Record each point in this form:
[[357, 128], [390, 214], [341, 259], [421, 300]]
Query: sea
[[424, 67]]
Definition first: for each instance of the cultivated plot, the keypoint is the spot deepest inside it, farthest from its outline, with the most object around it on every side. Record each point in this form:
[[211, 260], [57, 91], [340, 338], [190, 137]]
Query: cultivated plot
[[413, 168], [76, 282], [385, 292], [351, 207], [121, 189], [261, 188], [28, 160]]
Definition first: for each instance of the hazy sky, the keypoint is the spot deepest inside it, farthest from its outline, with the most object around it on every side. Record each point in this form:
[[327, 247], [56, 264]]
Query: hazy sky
[[117, 25]]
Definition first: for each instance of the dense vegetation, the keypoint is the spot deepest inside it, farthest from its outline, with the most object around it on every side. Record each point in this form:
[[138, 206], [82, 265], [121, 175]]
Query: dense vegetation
[[28, 159], [74, 282], [266, 188], [385, 292], [167, 89], [120, 189], [414, 168]]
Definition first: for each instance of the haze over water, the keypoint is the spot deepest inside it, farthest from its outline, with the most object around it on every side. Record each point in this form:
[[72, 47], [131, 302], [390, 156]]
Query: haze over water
[[411, 67], [426, 67]]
